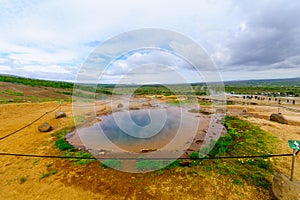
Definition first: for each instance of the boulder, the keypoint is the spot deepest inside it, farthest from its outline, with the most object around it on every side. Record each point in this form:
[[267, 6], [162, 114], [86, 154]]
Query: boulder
[[45, 127], [60, 114], [285, 189], [278, 118]]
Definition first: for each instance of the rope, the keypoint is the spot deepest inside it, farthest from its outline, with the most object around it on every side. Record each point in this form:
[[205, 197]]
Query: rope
[[92, 158], [29, 124]]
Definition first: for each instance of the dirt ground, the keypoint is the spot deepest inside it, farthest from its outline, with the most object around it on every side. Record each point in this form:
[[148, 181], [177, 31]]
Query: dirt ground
[[21, 177]]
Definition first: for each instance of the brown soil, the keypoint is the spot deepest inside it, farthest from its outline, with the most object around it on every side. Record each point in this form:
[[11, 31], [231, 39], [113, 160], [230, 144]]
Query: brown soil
[[20, 177]]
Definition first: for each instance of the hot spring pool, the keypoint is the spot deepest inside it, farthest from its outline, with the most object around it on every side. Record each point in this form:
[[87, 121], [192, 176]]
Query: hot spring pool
[[167, 129]]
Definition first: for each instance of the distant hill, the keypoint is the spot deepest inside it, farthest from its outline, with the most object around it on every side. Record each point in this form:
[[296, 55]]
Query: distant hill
[[35, 82], [266, 82], [273, 87], [62, 84]]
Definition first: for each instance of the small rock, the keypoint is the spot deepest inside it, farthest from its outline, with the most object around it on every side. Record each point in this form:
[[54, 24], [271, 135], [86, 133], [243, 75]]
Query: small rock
[[60, 114], [101, 152], [147, 150], [278, 118], [120, 105], [185, 163], [132, 108], [98, 119], [285, 189], [45, 127], [199, 141]]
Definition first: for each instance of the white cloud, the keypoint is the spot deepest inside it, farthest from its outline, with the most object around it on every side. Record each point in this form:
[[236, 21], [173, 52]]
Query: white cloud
[[240, 36], [45, 69], [4, 68]]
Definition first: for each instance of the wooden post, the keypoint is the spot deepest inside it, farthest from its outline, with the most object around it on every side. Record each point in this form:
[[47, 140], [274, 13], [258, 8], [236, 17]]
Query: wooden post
[[293, 164]]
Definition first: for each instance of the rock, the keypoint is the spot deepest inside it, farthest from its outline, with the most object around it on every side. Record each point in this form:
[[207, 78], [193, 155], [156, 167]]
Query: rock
[[284, 189], [98, 119], [120, 105], [199, 141], [133, 108], [60, 114], [147, 150], [45, 127], [101, 152], [278, 118]]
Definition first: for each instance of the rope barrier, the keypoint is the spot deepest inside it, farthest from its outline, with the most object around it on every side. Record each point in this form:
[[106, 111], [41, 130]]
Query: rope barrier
[[93, 158], [116, 158], [6, 136]]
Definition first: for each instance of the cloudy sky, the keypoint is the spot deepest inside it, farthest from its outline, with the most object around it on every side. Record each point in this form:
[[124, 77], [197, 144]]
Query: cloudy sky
[[245, 39]]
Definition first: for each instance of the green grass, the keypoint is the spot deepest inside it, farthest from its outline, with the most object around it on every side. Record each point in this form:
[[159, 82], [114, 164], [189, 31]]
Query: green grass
[[237, 181], [41, 99], [112, 163], [45, 175], [35, 82], [150, 164], [12, 92], [243, 138], [63, 145], [144, 164], [82, 154], [36, 161], [69, 150], [9, 100], [22, 180]]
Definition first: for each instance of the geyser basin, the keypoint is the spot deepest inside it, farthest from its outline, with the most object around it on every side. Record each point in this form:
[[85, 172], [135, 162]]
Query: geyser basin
[[169, 129]]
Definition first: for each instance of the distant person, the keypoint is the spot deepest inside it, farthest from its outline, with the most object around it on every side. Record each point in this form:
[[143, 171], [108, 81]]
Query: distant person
[[294, 101]]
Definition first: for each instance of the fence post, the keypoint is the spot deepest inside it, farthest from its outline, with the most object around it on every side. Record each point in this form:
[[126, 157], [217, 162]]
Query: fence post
[[293, 164], [295, 145]]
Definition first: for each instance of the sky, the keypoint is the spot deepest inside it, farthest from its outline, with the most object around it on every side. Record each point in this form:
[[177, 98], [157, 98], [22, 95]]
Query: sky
[[53, 39]]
